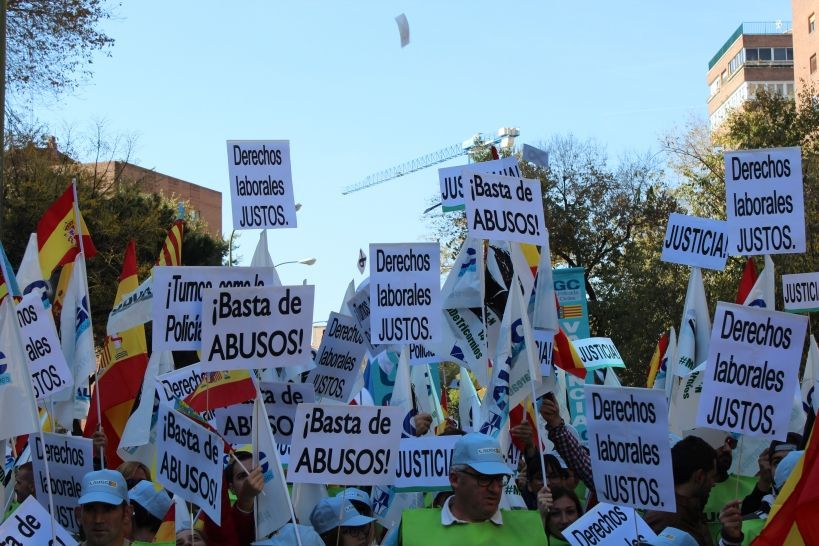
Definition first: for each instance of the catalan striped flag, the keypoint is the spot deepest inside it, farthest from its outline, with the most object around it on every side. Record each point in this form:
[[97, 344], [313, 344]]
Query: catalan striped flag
[[123, 362], [57, 234], [656, 359], [171, 252], [222, 389], [571, 311]]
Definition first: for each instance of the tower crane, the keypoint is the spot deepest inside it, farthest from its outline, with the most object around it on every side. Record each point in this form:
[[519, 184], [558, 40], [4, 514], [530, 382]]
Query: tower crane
[[505, 136]]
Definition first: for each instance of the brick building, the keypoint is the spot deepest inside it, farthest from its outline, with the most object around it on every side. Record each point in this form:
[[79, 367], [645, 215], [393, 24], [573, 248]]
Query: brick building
[[805, 42]]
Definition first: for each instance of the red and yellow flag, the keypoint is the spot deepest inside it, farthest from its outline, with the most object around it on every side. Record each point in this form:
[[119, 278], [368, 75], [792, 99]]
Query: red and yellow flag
[[656, 359], [122, 367], [222, 389], [57, 234], [171, 253], [565, 356]]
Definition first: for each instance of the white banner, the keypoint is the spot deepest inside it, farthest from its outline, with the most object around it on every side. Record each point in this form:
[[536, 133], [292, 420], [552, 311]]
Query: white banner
[[134, 309], [628, 444], [504, 208], [764, 201], [189, 460], [423, 462], [609, 524], [405, 293], [258, 327], [338, 359], [46, 362], [69, 459], [261, 184], [801, 292], [177, 301], [752, 371], [451, 179], [345, 445], [694, 241], [598, 352], [30, 525]]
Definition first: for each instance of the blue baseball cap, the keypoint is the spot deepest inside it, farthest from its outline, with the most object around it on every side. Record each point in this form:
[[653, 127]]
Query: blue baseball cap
[[286, 536], [355, 494], [480, 452], [786, 467], [671, 536], [106, 486], [155, 502], [336, 512]]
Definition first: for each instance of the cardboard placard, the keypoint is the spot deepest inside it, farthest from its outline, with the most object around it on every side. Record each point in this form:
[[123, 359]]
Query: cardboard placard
[[30, 525], [261, 184], [451, 179], [503, 208], [178, 384], [800, 292], [338, 359], [423, 463], [598, 352], [694, 241], [609, 524], [46, 362]]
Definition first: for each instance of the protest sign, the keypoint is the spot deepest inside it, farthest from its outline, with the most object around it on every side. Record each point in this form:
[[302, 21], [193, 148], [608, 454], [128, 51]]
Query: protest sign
[[178, 384], [359, 304], [256, 327], [345, 445], [30, 525], [419, 354], [177, 303], [694, 241], [609, 524], [191, 461], [764, 201], [598, 352], [628, 444], [46, 362], [261, 184], [423, 463], [405, 293], [451, 179], [338, 358], [752, 371], [69, 459], [544, 339], [504, 208], [800, 292]]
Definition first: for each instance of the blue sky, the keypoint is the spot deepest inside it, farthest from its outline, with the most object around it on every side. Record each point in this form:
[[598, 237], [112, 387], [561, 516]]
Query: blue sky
[[185, 76]]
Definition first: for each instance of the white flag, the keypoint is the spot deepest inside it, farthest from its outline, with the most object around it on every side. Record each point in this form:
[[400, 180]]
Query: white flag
[[524, 367], [426, 395], [140, 430], [262, 258], [402, 394], [17, 413], [469, 405], [695, 327], [273, 507], [463, 287], [305, 497], [544, 315], [29, 275]]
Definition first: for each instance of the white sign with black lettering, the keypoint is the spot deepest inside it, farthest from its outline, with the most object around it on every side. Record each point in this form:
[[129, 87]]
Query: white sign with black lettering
[[451, 179], [264, 327], [405, 293], [609, 524], [178, 384], [345, 445], [419, 354], [177, 301], [69, 459], [261, 184], [801, 292], [504, 208], [46, 362], [423, 463], [544, 339], [752, 371], [764, 201], [359, 304], [30, 525], [628, 444], [598, 352], [694, 241], [338, 359], [189, 460]]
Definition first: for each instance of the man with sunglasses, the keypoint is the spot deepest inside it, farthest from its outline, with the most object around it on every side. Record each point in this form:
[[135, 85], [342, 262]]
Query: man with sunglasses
[[477, 475]]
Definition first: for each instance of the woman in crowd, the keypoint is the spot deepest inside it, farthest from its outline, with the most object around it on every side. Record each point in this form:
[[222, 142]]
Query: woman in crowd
[[191, 537], [559, 507]]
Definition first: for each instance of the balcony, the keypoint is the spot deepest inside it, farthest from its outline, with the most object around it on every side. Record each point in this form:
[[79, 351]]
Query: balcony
[[778, 27]]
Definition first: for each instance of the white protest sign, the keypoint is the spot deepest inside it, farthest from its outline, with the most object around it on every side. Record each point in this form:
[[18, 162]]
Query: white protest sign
[[405, 293], [694, 241], [345, 445], [178, 384], [504, 208], [423, 463], [338, 358], [628, 444], [359, 304], [752, 371], [191, 461], [544, 339], [177, 302], [261, 184], [598, 352], [419, 354], [764, 201], [609, 524], [257, 327], [451, 179], [801, 292], [30, 525], [69, 459], [46, 362]]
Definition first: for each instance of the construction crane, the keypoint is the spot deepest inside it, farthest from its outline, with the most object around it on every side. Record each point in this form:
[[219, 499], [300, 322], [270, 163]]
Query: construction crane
[[505, 137]]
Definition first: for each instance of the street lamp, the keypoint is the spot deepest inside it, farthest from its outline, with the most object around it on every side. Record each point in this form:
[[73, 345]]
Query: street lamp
[[303, 261]]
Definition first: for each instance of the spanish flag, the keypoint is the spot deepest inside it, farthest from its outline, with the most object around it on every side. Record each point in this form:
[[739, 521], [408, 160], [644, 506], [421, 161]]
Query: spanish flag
[[57, 234], [171, 253], [656, 359], [565, 356], [123, 362], [746, 283], [222, 389]]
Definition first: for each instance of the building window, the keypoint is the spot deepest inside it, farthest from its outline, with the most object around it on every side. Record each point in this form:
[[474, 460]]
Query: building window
[[751, 54], [811, 23], [813, 63], [764, 53]]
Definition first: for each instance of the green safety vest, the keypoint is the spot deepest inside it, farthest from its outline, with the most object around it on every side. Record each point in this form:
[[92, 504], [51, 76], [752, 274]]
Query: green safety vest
[[723, 493], [422, 527]]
